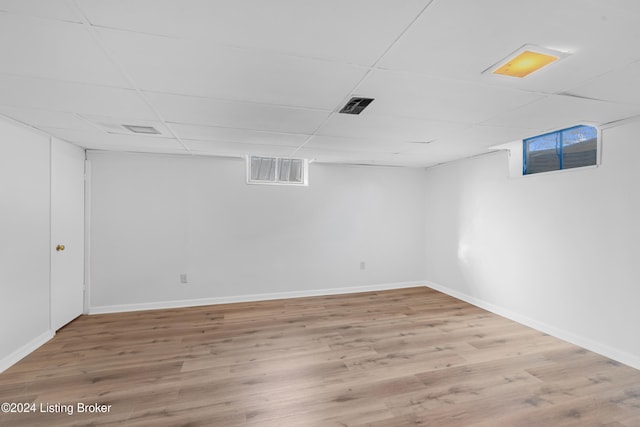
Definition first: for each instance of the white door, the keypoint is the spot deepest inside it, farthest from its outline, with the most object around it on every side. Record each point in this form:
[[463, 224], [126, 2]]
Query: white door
[[67, 233]]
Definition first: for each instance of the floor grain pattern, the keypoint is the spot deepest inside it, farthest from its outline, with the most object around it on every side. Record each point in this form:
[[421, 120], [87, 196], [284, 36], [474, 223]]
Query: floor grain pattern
[[393, 358]]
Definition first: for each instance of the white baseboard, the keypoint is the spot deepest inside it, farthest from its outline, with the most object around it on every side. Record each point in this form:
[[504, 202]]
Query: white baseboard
[[596, 347], [19, 354], [249, 298]]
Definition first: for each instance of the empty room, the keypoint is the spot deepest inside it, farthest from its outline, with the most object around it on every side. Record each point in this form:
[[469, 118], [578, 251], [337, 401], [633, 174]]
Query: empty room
[[319, 213]]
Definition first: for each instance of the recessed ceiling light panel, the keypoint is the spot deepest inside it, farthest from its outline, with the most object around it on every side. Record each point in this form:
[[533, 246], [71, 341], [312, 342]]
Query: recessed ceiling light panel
[[525, 61]]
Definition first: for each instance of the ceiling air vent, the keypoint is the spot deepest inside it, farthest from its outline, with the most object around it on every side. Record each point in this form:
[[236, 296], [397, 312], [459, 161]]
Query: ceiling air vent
[[356, 105], [148, 130]]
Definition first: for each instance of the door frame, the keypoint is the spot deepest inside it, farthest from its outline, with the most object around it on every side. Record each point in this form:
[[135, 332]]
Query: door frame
[[87, 234], [52, 327]]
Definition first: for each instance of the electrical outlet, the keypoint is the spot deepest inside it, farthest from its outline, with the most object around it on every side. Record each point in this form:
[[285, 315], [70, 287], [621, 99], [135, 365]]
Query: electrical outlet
[[362, 265], [183, 279]]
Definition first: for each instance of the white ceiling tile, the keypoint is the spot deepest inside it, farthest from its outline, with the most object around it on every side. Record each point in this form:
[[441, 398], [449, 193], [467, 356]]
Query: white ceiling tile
[[95, 139], [356, 31], [338, 156], [558, 112], [60, 10], [444, 151], [140, 148], [236, 149], [478, 138], [45, 118], [461, 38], [382, 127], [117, 125], [418, 95], [357, 144], [199, 68], [71, 97], [233, 77], [369, 158], [407, 160], [56, 50], [439, 156], [211, 112], [622, 85], [220, 134]]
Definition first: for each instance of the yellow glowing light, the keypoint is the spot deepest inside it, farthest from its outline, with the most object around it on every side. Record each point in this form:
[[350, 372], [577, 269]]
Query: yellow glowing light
[[525, 63]]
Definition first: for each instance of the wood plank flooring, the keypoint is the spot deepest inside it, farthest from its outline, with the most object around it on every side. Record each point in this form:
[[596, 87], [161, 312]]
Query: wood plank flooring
[[393, 358]]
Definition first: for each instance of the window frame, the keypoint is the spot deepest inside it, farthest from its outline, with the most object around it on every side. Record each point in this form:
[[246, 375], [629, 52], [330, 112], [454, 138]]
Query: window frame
[[560, 152]]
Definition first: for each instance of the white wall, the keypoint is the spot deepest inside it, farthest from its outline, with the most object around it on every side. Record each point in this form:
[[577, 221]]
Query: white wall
[[558, 251], [154, 217], [24, 242]]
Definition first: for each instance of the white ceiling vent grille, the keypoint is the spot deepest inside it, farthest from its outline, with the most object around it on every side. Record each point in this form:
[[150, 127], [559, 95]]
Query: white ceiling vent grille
[[356, 105], [147, 130], [275, 170], [130, 127]]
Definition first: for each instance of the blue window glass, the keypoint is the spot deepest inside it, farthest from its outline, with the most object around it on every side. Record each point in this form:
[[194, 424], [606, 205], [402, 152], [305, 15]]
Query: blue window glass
[[564, 149]]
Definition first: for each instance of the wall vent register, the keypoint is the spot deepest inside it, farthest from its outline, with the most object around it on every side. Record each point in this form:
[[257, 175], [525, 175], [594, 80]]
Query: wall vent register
[[277, 170]]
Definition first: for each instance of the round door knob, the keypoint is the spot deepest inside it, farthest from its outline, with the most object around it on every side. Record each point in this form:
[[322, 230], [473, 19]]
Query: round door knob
[[60, 248]]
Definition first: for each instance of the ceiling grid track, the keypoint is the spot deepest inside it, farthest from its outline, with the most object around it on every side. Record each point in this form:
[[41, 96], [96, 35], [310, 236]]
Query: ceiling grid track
[[94, 34], [220, 79], [371, 68]]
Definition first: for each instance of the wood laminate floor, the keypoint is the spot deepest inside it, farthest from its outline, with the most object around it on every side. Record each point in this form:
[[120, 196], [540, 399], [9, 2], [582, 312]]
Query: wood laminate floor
[[393, 358]]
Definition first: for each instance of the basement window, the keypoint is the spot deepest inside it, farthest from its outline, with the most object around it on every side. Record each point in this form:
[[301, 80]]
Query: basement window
[[569, 148], [277, 170]]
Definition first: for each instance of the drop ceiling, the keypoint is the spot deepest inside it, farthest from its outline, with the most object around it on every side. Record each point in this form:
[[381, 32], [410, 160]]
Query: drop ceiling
[[268, 77]]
